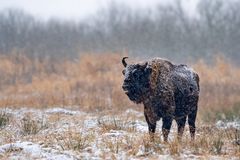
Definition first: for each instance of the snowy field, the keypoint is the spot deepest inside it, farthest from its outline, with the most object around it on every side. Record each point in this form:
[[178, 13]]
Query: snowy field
[[62, 134]]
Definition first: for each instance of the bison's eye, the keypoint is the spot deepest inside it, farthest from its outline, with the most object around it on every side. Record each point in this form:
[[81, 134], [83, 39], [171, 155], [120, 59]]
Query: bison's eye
[[135, 74]]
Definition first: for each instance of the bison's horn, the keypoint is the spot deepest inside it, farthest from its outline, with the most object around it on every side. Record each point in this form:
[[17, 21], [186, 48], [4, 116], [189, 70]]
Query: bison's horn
[[124, 62]]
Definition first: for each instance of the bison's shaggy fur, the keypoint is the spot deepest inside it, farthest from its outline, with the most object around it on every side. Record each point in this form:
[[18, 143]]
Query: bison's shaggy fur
[[168, 91]]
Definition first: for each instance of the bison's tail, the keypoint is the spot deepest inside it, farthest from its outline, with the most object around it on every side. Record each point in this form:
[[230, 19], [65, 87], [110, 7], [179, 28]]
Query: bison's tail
[[198, 80]]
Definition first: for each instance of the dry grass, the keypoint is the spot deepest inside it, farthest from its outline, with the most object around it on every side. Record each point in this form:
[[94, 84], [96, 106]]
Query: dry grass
[[220, 89], [175, 147], [94, 82], [4, 119], [29, 125], [115, 123], [74, 140]]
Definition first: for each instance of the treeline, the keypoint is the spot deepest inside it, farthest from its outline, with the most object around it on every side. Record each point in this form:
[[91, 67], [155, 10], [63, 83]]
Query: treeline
[[166, 31]]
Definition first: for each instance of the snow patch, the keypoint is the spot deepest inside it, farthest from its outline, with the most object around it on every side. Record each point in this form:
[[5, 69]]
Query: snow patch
[[116, 133], [225, 125], [90, 123], [134, 112], [31, 150], [61, 111], [140, 126]]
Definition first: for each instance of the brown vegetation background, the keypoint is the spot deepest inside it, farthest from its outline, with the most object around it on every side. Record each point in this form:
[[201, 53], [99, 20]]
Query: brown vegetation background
[[93, 83]]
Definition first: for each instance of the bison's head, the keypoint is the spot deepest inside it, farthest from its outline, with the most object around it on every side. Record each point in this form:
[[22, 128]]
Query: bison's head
[[137, 80]]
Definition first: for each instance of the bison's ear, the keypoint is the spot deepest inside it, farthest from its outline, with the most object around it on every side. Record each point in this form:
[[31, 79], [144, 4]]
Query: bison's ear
[[148, 69]]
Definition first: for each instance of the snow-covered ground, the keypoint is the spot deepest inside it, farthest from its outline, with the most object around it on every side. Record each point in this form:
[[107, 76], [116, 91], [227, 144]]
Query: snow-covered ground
[[60, 134]]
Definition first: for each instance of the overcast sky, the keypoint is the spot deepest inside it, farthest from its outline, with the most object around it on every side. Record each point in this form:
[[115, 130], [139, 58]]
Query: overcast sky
[[79, 9]]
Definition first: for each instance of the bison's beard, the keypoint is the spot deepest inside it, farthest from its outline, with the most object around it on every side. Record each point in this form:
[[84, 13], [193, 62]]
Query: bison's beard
[[134, 97], [134, 94]]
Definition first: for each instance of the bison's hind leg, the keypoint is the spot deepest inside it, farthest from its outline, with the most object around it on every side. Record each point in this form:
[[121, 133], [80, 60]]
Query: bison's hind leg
[[191, 121], [181, 124], [192, 116]]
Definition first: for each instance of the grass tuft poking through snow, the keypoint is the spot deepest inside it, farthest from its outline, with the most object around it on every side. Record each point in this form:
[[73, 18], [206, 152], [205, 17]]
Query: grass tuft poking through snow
[[4, 118], [31, 126], [73, 140]]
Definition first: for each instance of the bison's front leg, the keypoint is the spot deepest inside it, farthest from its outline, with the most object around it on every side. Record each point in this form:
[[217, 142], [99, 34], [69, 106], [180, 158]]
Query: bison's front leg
[[151, 127], [167, 123]]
